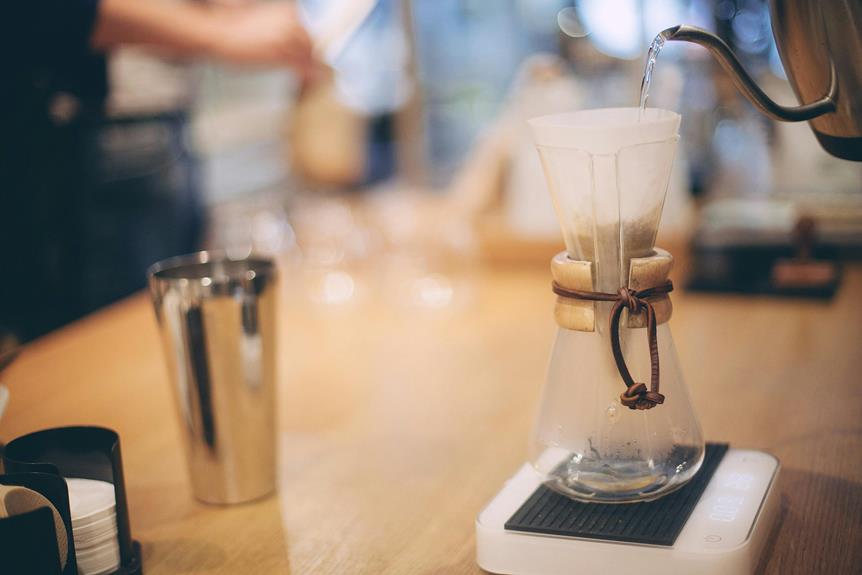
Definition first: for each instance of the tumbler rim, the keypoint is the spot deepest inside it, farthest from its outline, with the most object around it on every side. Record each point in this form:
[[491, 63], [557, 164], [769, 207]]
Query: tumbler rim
[[160, 271]]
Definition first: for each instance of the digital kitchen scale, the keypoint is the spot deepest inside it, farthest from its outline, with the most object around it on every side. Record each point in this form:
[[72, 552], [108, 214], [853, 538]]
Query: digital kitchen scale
[[716, 524]]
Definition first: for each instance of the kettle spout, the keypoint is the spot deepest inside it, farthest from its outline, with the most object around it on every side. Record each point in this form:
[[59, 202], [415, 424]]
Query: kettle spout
[[743, 81]]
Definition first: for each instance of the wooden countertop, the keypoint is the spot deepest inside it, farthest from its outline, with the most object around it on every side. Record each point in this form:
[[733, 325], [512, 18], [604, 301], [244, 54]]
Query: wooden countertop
[[400, 422]]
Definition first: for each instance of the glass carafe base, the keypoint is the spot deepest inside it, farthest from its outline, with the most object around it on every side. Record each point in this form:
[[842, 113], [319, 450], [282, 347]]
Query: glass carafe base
[[623, 481]]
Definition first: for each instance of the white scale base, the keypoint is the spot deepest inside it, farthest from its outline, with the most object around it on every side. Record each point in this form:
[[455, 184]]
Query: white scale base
[[724, 535]]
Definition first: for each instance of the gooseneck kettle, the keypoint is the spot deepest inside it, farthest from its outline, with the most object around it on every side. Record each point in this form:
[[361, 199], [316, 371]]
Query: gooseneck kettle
[[820, 44]]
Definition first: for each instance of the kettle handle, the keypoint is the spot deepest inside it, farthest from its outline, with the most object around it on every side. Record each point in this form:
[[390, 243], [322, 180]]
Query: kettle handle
[[745, 84]]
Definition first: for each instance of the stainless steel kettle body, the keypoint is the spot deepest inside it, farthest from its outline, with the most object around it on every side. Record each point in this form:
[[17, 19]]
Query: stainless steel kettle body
[[820, 43]]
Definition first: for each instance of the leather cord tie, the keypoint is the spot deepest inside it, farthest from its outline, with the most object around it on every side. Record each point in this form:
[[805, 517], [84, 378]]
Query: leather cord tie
[[636, 395]]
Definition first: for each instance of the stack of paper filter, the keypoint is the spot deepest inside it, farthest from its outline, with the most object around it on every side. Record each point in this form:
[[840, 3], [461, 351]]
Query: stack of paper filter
[[93, 509]]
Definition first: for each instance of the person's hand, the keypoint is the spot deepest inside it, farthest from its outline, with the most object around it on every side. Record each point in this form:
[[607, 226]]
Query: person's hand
[[263, 34]]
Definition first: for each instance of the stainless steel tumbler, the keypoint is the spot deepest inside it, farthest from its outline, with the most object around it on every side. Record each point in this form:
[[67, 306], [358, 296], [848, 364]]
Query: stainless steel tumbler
[[217, 318]]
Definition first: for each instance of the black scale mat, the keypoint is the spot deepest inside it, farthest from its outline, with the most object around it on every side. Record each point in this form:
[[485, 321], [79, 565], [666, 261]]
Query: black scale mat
[[656, 522]]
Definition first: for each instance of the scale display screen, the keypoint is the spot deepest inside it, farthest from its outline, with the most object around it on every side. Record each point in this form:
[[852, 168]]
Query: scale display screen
[[729, 506]]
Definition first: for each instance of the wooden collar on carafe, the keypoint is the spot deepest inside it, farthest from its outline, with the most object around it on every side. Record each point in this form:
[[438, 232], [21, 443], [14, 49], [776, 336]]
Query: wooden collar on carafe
[[645, 301]]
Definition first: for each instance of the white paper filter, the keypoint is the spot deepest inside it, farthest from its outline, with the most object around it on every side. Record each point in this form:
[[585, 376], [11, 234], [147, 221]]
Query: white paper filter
[[604, 130], [93, 508]]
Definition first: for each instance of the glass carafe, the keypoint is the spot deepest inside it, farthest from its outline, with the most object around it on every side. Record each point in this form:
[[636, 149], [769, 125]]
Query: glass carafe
[[608, 172]]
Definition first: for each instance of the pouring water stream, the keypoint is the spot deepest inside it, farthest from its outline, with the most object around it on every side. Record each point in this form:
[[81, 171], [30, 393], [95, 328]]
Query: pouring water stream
[[654, 49]]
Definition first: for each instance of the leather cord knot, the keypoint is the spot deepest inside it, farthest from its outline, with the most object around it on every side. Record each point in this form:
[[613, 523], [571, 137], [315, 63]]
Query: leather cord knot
[[629, 299], [637, 395]]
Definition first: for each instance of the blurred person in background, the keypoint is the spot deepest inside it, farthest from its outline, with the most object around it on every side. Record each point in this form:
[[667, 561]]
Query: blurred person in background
[[90, 196]]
